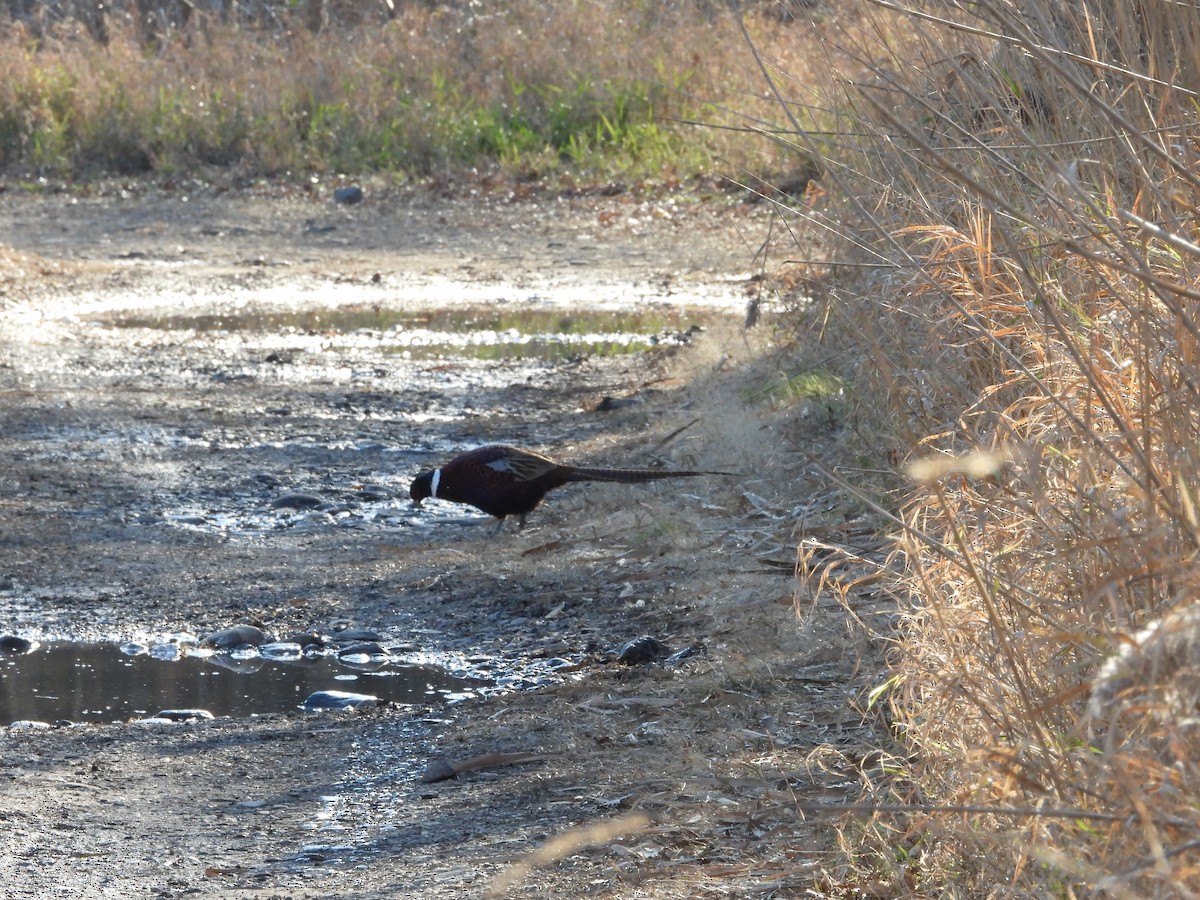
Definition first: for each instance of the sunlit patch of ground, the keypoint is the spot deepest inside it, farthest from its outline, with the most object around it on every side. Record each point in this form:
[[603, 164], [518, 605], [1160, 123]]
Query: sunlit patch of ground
[[143, 476]]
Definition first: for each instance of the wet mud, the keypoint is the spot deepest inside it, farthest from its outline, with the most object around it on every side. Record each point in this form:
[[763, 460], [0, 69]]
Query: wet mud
[[211, 413]]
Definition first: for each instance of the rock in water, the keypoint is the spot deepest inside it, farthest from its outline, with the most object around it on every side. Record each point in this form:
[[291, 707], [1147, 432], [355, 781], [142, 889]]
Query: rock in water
[[237, 636], [339, 700]]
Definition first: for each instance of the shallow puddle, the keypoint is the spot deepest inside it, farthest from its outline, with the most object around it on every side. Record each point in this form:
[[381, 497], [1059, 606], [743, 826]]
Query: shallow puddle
[[347, 318], [101, 682], [273, 463], [493, 332]]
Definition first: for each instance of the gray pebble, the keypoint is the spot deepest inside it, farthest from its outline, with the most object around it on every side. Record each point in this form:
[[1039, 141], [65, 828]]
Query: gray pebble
[[16, 646], [237, 636], [339, 700], [297, 501], [641, 650], [184, 715]]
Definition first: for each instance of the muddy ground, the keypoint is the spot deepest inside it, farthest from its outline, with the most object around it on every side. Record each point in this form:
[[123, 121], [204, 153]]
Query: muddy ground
[[140, 469]]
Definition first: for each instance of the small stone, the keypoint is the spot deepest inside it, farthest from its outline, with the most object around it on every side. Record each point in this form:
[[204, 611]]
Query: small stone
[[237, 636], [339, 700], [438, 770], [11, 645], [369, 649], [307, 639], [297, 501], [348, 196], [641, 650], [354, 635], [364, 657], [184, 715]]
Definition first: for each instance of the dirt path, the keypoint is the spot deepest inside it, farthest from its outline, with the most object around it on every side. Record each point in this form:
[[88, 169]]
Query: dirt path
[[124, 449]]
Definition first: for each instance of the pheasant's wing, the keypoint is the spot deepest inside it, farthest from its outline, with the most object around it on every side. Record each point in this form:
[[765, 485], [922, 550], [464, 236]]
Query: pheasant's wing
[[524, 466]]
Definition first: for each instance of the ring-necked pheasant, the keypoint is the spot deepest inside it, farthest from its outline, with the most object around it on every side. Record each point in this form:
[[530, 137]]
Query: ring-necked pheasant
[[508, 481]]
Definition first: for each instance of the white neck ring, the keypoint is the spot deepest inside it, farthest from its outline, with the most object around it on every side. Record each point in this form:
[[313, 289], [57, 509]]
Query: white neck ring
[[433, 485]]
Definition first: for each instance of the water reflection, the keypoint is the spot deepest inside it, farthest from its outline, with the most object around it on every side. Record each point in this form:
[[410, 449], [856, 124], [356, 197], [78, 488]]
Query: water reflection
[[490, 332], [454, 319], [82, 682]]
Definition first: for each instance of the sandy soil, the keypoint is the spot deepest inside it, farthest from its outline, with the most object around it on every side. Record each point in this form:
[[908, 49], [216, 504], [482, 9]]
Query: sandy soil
[[648, 781]]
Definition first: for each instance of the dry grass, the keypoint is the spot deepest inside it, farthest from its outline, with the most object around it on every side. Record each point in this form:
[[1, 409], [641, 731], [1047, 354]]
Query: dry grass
[[570, 92], [1020, 181]]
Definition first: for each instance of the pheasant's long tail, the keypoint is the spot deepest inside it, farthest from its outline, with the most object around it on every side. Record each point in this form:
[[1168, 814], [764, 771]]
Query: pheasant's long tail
[[630, 476]]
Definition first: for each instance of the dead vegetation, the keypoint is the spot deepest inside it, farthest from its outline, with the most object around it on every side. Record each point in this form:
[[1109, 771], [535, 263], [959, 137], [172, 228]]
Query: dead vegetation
[[512, 94], [1017, 185]]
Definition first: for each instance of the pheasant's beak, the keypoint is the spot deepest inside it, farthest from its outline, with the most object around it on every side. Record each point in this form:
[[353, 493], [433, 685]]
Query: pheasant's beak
[[417, 504]]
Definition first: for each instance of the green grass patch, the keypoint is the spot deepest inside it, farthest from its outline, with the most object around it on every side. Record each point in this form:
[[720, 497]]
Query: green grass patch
[[797, 387], [474, 332], [432, 92], [455, 320]]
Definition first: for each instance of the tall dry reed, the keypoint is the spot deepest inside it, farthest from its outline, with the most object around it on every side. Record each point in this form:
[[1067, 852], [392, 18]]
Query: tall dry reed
[[1021, 181]]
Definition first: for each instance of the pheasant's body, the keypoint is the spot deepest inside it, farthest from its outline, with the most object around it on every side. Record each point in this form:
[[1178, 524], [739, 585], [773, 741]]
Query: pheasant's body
[[508, 481]]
